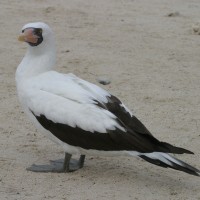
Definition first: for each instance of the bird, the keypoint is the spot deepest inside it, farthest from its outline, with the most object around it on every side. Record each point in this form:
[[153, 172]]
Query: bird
[[81, 117]]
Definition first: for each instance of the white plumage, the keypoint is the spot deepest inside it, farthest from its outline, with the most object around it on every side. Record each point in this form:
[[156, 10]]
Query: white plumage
[[69, 100], [80, 116]]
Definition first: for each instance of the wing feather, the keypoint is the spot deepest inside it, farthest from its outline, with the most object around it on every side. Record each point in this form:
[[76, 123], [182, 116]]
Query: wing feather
[[65, 104], [68, 104]]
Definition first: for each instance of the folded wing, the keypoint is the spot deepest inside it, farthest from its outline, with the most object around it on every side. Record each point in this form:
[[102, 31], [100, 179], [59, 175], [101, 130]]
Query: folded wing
[[82, 114]]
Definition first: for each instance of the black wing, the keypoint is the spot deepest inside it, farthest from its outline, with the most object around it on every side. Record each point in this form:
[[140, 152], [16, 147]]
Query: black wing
[[136, 137]]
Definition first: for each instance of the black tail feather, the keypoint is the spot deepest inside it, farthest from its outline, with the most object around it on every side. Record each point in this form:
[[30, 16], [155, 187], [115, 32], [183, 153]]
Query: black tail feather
[[181, 167], [173, 149]]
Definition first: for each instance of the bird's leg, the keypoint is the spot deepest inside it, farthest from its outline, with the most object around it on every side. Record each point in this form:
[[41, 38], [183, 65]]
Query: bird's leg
[[67, 162], [81, 161], [71, 165]]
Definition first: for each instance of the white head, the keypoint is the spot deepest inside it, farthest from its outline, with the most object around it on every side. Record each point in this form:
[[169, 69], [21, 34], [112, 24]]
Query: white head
[[40, 56], [38, 35]]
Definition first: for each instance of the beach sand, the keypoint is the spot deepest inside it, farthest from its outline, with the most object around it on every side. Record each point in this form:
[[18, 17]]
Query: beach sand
[[151, 55]]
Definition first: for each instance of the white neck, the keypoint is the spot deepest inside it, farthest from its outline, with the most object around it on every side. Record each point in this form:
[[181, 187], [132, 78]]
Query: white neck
[[37, 60]]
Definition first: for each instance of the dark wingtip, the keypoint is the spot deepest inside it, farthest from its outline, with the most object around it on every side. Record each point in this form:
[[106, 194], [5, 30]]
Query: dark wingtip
[[185, 150], [176, 150]]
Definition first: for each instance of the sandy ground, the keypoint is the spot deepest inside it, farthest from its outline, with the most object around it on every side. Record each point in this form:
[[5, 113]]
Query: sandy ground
[[153, 62]]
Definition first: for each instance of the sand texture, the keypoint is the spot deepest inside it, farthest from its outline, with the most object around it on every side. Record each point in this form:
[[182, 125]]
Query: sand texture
[[150, 51]]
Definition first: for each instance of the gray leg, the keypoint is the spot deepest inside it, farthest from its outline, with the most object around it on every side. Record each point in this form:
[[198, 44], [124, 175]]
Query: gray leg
[[69, 165], [81, 161]]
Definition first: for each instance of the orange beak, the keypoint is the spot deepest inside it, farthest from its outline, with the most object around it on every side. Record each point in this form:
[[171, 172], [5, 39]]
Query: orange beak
[[28, 36]]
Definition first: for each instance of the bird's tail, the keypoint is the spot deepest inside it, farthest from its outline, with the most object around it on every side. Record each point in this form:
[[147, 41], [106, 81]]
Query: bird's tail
[[166, 160]]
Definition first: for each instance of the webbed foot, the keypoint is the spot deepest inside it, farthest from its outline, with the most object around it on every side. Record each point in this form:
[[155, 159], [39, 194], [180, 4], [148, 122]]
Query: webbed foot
[[69, 165]]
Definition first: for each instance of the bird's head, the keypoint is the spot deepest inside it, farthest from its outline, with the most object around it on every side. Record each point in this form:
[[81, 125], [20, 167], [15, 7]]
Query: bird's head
[[40, 55], [36, 34]]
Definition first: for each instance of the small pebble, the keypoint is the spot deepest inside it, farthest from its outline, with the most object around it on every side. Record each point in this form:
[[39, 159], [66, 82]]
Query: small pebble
[[196, 28], [49, 9], [103, 80], [173, 14]]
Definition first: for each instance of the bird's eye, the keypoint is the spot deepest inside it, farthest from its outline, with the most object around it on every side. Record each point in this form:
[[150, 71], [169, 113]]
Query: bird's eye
[[39, 31], [23, 31]]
